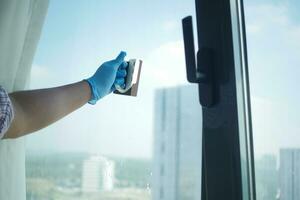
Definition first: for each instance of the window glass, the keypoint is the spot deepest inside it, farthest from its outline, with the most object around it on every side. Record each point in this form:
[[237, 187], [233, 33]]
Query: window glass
[[273, 39], [122, 147]]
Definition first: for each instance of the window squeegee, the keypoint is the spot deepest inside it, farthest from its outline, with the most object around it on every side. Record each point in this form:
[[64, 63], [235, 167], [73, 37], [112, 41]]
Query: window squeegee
[[132, 79]]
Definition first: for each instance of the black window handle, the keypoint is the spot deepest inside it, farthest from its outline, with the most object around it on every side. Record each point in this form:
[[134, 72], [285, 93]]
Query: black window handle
[[199, 71], [189, 48]]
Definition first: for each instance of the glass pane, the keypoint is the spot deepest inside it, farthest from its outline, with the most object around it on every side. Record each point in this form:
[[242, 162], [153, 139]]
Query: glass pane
[[148, 147], [273, 37]]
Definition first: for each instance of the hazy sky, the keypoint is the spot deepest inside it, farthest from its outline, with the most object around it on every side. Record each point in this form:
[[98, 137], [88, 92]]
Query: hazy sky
[[79, 36]]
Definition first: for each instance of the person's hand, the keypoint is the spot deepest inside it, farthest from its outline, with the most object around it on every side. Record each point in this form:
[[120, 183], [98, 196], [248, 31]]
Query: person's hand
[[108, 75]]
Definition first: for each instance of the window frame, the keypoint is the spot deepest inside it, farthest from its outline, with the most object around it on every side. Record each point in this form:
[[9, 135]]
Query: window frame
[[227, 155]]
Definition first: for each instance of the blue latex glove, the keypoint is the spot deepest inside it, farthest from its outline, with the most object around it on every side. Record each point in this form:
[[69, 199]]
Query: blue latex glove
[[108, 74]]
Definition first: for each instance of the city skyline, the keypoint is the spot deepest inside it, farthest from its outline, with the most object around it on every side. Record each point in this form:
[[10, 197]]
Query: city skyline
[[79, 176]]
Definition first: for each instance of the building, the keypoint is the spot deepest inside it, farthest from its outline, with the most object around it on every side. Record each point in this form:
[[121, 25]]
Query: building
[[177, 153], [98, 174], [289, 174], [266, 177]]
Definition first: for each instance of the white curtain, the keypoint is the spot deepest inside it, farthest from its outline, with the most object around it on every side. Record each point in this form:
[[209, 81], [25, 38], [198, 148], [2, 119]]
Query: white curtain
[[20, 28]]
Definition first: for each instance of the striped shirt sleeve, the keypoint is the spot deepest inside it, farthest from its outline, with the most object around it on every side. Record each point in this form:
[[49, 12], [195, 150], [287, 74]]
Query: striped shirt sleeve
[[6, 112]]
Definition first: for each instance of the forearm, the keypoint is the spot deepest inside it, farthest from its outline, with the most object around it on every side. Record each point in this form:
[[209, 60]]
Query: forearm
[[37, 109]]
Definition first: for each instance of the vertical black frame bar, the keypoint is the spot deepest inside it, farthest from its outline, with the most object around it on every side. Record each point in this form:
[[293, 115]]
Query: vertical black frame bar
[[221, 172]]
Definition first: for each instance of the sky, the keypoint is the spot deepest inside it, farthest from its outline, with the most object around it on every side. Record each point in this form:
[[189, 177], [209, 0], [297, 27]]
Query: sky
[[77, 37]]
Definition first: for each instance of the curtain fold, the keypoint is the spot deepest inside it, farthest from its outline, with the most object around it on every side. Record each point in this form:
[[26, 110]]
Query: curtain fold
[[20, 29]]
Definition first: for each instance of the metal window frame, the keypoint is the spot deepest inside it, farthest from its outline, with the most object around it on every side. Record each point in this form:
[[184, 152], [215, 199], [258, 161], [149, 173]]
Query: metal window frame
[[228, 163]]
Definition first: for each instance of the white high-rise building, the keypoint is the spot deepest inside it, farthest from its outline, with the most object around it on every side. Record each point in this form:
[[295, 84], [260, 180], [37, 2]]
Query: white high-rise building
[[98, 174], [289, 168], [177, 144]]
